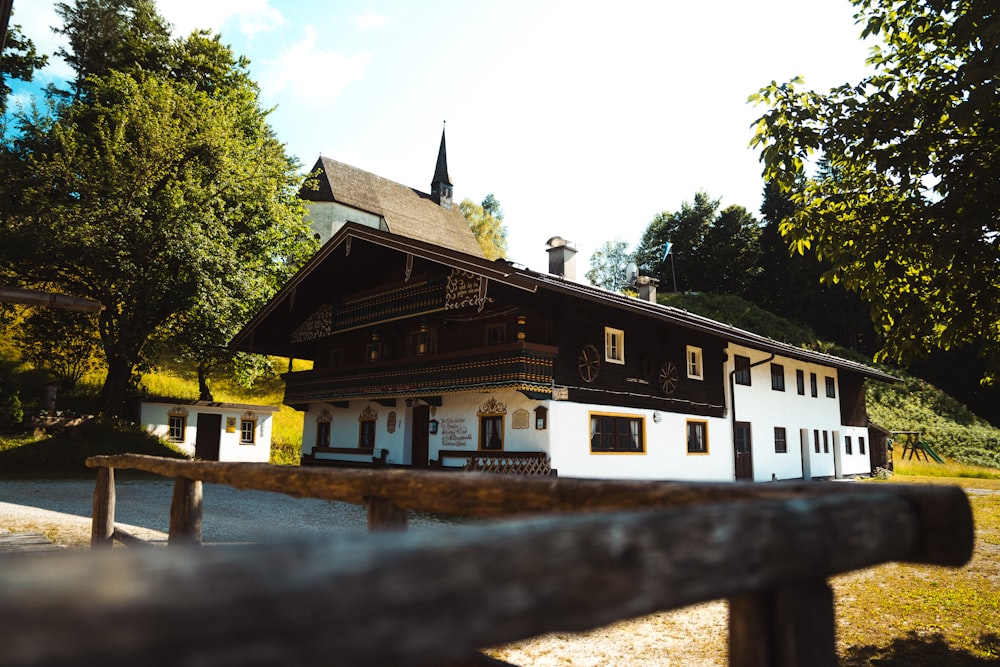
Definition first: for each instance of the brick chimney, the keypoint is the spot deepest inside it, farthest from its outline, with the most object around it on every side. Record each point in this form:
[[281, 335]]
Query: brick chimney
[[562, 258]]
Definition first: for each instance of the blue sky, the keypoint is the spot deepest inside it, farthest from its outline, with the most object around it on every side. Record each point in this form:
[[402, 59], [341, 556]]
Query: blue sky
[[585, 119]]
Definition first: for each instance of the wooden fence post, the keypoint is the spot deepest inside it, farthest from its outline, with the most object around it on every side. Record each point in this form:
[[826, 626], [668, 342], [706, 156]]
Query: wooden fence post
[[386, 515], [102, 527], [185, 512], [791, 626]]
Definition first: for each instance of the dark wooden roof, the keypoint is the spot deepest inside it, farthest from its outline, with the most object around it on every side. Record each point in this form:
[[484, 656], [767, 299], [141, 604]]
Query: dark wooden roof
[[407, 212], [532, 281]]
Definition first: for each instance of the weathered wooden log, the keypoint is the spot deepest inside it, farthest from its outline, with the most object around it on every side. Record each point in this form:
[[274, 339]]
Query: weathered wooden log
[[49, 300], [384, 515], [943, 511], [788, 626], [421, 597], [102, 527], [185, 512]]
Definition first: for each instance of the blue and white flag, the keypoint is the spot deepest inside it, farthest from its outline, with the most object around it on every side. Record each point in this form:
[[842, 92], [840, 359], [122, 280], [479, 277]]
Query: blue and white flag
[[666, 250]]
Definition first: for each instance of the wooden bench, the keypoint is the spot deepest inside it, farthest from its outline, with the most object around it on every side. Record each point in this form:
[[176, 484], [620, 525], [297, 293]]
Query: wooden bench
[[589, 553], [378, 456]]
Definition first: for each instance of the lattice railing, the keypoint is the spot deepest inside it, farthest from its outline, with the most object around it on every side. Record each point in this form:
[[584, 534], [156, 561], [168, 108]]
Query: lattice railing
[[537, 464]]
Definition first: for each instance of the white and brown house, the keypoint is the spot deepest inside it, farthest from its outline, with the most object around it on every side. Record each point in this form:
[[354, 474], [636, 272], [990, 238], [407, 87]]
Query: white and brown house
[[427, 354], [210, 430]]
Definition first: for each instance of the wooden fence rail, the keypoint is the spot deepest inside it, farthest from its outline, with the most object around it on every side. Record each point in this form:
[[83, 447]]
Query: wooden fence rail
[[429, 597]]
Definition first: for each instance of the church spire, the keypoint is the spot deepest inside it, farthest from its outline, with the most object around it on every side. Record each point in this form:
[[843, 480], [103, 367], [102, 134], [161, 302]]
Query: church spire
[[441, 185]]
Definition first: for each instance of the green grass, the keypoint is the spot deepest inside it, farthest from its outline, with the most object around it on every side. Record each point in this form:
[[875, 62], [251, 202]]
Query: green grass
[[912, 615], [63, 454]]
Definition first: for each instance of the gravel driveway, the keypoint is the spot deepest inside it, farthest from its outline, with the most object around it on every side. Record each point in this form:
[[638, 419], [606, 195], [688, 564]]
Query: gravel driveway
[[229, 515]]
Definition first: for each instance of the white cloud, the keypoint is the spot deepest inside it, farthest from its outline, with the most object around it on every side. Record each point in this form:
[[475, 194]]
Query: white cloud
[[370, 20], [251, 16], [310, 73]]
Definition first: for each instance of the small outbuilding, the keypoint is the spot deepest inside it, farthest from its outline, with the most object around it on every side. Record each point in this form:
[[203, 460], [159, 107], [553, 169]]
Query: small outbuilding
[[212, 431]]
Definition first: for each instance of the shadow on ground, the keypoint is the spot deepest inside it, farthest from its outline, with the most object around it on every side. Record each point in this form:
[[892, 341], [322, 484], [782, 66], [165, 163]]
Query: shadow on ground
[[916, 651]]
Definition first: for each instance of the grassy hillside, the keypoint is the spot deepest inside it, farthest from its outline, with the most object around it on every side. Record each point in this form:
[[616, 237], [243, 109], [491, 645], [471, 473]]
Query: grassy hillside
[[911, 405]]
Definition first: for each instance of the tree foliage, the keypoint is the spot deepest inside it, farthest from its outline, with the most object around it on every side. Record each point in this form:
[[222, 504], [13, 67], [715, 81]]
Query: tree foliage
[[161, 192], [61, 341], [907, 213], [19, 60], [711, 251], [112, 35], [608, 266], [486, 221]]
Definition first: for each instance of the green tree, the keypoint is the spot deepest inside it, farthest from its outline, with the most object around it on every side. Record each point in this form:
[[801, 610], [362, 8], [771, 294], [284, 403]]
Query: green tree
[[609, 264], [112, 35], [486, 221], [162, 200], [731, 251], [61, 341], [907, 213], [18, 60]]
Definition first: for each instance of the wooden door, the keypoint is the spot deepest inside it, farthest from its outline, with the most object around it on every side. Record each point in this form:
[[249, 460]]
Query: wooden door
[[420, 441], [206, 443], [743, 451]]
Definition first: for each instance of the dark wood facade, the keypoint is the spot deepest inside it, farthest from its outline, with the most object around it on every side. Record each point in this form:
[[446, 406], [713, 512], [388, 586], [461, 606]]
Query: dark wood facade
[[380, 324]]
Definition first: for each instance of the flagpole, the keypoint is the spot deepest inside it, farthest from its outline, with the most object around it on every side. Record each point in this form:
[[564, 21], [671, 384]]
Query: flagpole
[[667, 250]]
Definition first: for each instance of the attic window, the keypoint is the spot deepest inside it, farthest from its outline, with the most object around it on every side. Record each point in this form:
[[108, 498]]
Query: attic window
[[614, 345], [694, 368]]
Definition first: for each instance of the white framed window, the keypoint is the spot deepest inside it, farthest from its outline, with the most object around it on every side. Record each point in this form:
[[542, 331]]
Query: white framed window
[[248, 429], [614, 345], [694, 367], [177, 426]]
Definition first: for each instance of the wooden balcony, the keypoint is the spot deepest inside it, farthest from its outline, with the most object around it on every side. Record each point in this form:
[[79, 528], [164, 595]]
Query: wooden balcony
[[526, 367]]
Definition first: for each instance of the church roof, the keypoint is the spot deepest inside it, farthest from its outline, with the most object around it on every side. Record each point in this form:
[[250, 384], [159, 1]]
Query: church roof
[[406, 211], [441, 168]]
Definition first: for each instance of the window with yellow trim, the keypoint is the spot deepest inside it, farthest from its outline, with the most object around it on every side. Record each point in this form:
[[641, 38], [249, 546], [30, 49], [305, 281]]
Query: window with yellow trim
[[617, 433], [491, 432], [697, 437]]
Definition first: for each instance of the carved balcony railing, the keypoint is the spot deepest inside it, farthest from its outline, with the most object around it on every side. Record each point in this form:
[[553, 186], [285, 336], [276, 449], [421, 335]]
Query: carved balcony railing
[[526, 367]]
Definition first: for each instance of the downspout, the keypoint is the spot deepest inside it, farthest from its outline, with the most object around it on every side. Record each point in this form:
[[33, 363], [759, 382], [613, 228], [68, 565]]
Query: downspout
[[732, 396]]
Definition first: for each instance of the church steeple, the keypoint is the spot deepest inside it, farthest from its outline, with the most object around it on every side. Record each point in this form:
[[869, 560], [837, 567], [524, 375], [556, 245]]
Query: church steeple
[[441, 185]]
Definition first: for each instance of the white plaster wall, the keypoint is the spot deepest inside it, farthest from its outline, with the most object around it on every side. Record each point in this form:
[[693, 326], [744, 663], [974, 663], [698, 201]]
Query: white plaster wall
[[154, 418], [766, 408], [344, 431], [230, 448], [326, 218], [666, 456], [856, 463], [458, 424]]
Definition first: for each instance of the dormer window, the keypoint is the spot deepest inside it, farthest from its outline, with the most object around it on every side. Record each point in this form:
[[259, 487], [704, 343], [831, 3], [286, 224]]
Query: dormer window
[[614, 345]]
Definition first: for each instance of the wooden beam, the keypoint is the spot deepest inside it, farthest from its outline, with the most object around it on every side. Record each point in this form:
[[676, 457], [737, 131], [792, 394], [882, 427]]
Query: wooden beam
[[186, 512], [102, 527], [49, 300], [942, 513], [384, 515], [424, 597]]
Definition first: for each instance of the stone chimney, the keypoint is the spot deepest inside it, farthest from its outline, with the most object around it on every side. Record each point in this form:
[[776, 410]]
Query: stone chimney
[[647, 288], [562, 258]]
